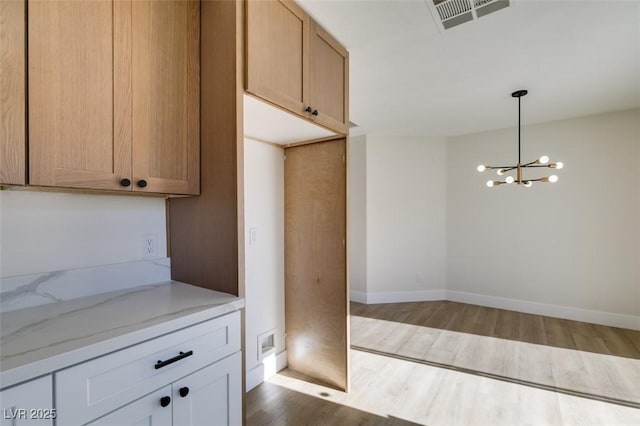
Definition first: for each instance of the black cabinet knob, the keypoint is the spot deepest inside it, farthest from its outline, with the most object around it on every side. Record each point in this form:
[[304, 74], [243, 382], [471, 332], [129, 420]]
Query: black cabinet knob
[[184, 391], [308, 109], [125, 182], [315, 112], [141, 183], [165, 400]]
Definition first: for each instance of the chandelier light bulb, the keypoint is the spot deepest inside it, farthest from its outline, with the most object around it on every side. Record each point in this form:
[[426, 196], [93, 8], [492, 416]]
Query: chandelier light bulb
[[553, 178], [558, 165], [544, 159], [509, 179], [527, 184], [489, 183], [500, 172], [481, 168]]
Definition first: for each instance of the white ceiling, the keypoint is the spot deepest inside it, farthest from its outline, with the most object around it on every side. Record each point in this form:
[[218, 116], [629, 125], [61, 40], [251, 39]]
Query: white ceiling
[[575, 57]]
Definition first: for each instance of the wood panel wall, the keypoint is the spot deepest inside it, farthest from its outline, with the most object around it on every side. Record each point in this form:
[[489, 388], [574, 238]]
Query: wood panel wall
[[12, 93], [316, 290], [206, 233]]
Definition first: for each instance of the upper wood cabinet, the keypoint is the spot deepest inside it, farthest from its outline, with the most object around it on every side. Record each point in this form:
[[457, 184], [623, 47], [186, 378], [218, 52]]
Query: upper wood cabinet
[[12, 92], [295, 64], [328, 80], [114, 95]]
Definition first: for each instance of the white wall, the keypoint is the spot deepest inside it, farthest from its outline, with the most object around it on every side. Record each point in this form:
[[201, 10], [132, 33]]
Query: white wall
[[405, 217], [47, 231], [575, 243], [264, 257], [357, 211]]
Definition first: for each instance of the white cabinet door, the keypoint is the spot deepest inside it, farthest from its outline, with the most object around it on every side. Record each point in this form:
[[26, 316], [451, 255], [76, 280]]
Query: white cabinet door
[[28, 404], [146, 411], [211, 396]]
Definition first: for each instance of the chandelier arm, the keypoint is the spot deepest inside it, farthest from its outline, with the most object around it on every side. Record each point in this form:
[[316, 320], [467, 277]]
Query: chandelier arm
[[499, 167], [539, 165]]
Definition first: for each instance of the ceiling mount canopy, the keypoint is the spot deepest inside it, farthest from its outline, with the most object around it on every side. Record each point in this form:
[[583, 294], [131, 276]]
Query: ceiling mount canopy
[[543, 161]]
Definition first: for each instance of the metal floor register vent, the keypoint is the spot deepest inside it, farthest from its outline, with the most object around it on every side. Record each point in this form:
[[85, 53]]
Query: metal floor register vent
[[450, 13]]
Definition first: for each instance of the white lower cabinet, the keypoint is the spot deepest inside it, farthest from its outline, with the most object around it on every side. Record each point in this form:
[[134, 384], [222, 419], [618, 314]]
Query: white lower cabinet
[[208, 397], [28, 404], [211, 396], [190, 377], [147, 411]]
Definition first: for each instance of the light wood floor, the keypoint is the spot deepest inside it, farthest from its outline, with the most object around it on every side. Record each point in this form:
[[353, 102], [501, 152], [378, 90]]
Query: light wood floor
[[450, 363]]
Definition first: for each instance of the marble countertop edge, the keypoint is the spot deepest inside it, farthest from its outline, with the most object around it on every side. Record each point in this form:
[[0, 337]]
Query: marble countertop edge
[[20, 367]]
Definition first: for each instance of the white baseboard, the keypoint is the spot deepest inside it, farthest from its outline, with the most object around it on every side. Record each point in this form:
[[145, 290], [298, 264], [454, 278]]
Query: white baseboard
[[556, 311], [281, 360], [358, 296], [397, 296], [256, 375]]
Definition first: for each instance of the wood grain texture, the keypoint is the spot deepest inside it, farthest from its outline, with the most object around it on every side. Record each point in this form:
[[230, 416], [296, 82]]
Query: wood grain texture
[[166, 72], [12, 93], [316, 302], [206, 231], [328, 80], [503, 324], [71, 88], [277, 60]]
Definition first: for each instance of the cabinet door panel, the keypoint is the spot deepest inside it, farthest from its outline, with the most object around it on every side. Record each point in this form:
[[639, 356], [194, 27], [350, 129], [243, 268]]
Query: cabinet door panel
[[277, 38], [75, 140], [316, 293], [146, 411], [166, 105], [18, 402], [214, 395], [329, 80], [12, 88]]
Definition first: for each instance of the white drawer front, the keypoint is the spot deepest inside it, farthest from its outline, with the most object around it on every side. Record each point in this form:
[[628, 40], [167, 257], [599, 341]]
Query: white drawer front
[[94, 388]]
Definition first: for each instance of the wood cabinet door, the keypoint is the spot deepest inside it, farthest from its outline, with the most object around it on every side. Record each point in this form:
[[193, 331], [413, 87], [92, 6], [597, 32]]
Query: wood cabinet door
[[79, 93], [12, 90], [211, 396], [144, 411], [277, 62], [316, 293], [328, 80], [166, 96]]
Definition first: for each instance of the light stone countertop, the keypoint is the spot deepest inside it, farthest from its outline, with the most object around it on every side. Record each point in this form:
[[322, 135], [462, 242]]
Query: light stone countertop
[[39, 340]]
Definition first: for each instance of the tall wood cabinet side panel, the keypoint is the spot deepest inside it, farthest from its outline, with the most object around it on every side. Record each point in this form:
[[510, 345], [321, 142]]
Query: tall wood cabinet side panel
[[316, 293], [71, 87], [204, 230], [12, 93], [166, 72]]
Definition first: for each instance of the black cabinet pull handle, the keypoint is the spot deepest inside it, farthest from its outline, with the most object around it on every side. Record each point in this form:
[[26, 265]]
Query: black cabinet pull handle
[[182, 355], [125, 182], [165, 400], [308, 109], [184, 391], [141, 183], [315, 112]]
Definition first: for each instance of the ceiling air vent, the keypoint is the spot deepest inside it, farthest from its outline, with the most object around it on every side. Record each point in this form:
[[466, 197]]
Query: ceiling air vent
[[450, 13]]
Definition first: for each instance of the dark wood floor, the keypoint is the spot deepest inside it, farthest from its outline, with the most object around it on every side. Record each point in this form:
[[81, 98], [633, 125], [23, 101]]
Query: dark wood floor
[[270, 404], [511, 325], [403, 390]]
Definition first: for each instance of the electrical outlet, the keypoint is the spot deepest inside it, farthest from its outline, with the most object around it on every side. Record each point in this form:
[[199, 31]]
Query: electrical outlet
[[149, 246]]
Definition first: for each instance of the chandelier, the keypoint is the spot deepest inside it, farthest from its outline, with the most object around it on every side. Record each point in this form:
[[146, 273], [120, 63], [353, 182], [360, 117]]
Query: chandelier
[[519, 179]]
